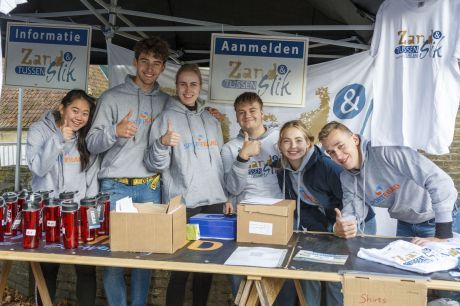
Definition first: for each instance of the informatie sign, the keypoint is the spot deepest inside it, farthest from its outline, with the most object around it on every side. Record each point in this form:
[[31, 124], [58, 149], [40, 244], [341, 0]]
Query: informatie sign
[[273, 67], [47, 56]]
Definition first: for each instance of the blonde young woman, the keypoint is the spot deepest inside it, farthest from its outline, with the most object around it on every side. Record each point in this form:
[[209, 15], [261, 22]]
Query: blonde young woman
[[312, 179], [185, 147]]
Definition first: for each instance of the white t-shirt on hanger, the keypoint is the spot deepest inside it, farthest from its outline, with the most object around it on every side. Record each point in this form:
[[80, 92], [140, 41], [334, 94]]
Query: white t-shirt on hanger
[[416, 45]]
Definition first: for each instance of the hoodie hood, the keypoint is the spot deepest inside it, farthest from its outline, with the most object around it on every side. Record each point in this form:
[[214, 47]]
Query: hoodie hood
[[131, 86], [360, 199], [49, 120], [181, 108], [268, 131], [364, 145]]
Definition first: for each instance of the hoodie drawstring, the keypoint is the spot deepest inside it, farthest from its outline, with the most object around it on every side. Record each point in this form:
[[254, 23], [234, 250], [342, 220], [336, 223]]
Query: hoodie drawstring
[[362, 224], [191, 133], [298, 201], [207, 138], [138, 109]]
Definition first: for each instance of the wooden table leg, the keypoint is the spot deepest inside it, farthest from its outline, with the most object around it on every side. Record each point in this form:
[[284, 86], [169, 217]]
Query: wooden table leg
[[240, 291], [268, 289], [265, 291], [41, 284], [300, 296], [6, 268], [243, 301], [253, 296]]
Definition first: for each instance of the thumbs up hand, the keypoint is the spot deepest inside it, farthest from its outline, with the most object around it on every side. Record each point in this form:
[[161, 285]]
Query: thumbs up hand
[[250, 147], [66, 130], [170, 138], [344, 227], [126, 128]]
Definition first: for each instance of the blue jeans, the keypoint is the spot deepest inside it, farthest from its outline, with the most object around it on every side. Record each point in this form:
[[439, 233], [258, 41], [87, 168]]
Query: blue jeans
[[334, 297], [312, 293], [369, 227], [424, 229], [114, 279], [427, 228]]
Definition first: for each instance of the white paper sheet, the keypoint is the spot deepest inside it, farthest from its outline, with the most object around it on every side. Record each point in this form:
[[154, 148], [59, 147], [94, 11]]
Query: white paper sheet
[[257, 257], [125, 205], [261, 201]]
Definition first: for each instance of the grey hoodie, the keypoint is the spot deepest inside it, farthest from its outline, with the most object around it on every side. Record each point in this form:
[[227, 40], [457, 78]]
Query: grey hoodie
[[194, 167], [55, 163], [412, 187], [122, 157], [256, 177]]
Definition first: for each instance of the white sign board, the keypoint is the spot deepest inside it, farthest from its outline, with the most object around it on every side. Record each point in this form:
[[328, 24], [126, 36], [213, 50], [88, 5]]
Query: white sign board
[[47, 56], [273, 67]]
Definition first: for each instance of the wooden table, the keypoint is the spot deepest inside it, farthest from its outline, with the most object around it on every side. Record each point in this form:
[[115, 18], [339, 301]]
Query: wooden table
[[208, 257]]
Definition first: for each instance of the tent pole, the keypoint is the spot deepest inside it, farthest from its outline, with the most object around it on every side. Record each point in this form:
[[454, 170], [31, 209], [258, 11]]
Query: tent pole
[[17, 171]]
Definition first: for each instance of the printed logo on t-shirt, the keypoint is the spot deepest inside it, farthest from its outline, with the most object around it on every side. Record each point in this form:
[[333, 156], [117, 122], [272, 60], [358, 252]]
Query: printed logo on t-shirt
[[383, 195], [261, 168], [144, 119], [378, 190], [417, 45], [307, 197], [71, 159], [200, 142]]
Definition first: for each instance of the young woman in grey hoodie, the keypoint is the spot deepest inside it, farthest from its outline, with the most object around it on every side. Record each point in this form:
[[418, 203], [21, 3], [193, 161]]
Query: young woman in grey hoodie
[[185, 147], [59, 161]]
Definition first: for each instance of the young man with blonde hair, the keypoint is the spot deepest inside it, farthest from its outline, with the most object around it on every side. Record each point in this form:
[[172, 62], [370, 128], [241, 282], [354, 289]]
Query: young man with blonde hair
[[420, 195]]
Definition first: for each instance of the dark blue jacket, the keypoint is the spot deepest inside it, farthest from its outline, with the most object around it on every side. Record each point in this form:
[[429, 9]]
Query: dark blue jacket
[[321, 176]]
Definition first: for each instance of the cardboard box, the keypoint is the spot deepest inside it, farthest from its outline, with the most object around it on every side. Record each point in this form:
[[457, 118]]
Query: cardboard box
[[157, 228], [271, 224], [370, 290], [215, 226]]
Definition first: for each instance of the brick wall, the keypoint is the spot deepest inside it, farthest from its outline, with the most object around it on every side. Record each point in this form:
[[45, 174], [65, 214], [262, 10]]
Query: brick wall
[[7, 178], [451, 162]]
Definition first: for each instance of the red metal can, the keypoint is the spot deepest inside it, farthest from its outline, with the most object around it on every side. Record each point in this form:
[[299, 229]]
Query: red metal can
[[34, 200], [45, 201], [11, 199], [103, 202], [89, 220], [52, 220], [67, 196], [31, 230], [22, 198], [69, 216], [2, 219]]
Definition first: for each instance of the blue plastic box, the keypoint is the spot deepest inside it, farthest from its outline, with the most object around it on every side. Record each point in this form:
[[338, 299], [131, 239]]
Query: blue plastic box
[[215, 226]]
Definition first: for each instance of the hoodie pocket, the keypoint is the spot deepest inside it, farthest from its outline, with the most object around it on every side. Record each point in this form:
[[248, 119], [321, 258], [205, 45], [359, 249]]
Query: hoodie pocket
[[411, 216]]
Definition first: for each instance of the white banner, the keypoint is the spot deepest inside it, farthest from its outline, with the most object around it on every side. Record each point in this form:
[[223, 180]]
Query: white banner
[[273, 67], [47, 56]]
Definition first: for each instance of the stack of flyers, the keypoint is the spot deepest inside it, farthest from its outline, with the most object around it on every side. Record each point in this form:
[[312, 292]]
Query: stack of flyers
[[333, 259]]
